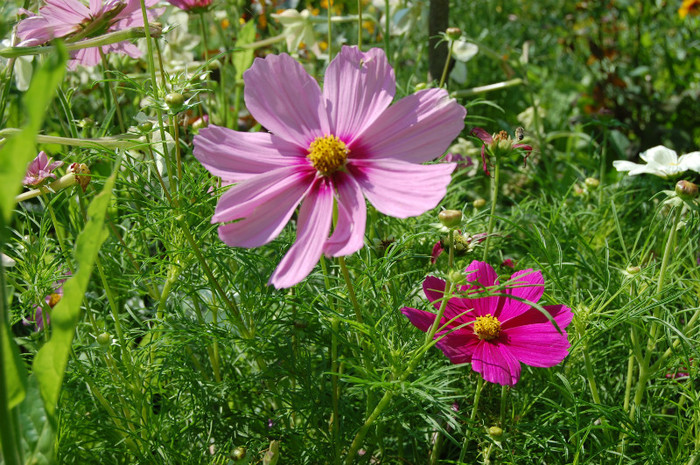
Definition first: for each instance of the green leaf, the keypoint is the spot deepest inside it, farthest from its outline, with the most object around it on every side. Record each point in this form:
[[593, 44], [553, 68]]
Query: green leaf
[[37, 434], [19, 150], [242, 59], [15, 372], [50, 362]]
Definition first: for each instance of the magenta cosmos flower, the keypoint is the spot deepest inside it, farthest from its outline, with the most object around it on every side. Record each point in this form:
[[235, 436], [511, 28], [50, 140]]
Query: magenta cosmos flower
[[191, 5], [39, 169], [72, 19], [496, 333], [340, 144]]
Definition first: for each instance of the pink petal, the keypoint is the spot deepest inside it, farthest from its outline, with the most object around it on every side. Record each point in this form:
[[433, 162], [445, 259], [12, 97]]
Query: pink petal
[[437, 250], [457, 345], [402, 189], [483, 276], [265, 203], [235, 156], [528, 285], [313, 227], [349, 234], [457, 309], [417, 128], [357, 88], [538, 344], [561, 314], [282, 96], [485, 137], [496, 363]]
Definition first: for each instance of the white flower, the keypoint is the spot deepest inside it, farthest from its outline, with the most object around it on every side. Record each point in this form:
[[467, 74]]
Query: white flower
[[22, 70], [462, 52], [6, 261], [298, 28], [661, 161]]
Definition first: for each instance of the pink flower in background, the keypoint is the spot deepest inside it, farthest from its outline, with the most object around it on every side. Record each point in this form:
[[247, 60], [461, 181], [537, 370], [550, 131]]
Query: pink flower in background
[[39, 169], [497, 332], [341, 144], [51, 301], [191, 5], [73, 19]]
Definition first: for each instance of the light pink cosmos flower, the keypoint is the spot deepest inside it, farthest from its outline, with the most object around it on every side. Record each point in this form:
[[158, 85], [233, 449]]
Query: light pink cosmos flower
[[496, 333], [191, 5], [340, 144], [39, 169], [71, 19]]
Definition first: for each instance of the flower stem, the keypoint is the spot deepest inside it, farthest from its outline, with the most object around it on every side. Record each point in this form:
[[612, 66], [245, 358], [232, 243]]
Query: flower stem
[[387, 22], [472, 416], [494, 199], [330, 32], [117, 108], [335, 391], [359, 24], [351, 289], [447, 64]]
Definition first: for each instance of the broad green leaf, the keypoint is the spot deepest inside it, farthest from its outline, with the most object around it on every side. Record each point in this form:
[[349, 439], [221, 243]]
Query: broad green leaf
[[19, 150], [37, 434], [50, 362], [242, 59], [12, 365]]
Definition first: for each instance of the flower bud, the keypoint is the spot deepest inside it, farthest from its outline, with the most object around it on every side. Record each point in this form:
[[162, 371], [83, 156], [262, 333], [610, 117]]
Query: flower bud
[[86, 123], [421, 86], [145, 127], [495, 431], [450, 218], [453, 33], [238, 454], [633, 269], [686, 190], [456, 276], [592, 183], [479, 203], [104, 339], [174, 100]]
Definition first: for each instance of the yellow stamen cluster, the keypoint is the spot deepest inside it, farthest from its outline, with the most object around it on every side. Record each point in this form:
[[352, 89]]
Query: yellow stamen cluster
[[487, 327], [54, 299], [327, 154]]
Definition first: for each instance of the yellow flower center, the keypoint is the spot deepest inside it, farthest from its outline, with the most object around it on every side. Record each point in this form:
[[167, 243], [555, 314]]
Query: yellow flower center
[[54, 299], [487, 327], [327, 154]]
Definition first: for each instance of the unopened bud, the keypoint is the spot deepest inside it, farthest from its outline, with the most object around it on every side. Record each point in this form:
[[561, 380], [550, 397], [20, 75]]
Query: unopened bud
[[86, 123], [421, 86], [104, 339], [81, 173], [450, 218], [592, 183], [686, 190], [174, 100], [238, 453], [495, 431], [145, 127], [456, 276], [633, 269], [453, 33], [479, 203]]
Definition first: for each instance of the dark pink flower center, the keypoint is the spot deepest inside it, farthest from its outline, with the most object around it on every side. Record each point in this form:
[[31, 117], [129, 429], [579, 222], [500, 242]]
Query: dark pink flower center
[[328, 154], [487, 327]]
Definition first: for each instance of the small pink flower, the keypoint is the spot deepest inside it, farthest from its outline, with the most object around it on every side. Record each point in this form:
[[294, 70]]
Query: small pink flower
[[40, 169], [69, 18], [191, 5], [338, 145], [463, 161], [496, 333], [502, 138], [508, 262]]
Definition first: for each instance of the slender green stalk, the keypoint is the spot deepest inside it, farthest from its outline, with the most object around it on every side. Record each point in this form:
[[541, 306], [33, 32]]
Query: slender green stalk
[[494, 199], [504, 403], [351, 289], [359, 24], [472, 416], [447, 64], [9, 434], [335, 391], [330, 31], [108, 82], [387, 24]]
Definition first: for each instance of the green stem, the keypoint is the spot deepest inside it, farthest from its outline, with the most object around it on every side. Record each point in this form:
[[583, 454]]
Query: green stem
[[335, 390], [330, 32], [447, 64], [387, 23], [494, 199], [351, 289], [472, 416], [113, 92], [359, 24], [9, 435]]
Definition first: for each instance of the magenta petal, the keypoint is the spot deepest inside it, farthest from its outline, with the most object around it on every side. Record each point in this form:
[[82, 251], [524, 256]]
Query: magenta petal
[[458, 310], [417, 128], [313, 227], [527, 285], [496, 363], [235, 156], [419, 318], [459, 345], [561, 314], [282, 97], [483, 276], [349, 234], [434, 289], [437, 250], [402, 189], [485, 137], [264, 207], [358, 87], [537, 345]]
